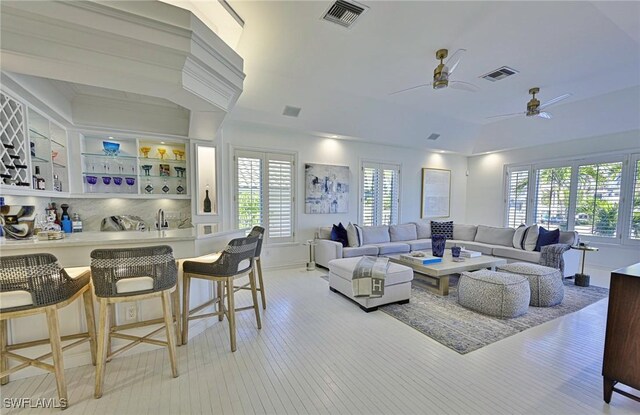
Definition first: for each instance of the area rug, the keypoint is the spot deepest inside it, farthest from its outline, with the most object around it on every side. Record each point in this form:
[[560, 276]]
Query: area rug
[[464, 331]]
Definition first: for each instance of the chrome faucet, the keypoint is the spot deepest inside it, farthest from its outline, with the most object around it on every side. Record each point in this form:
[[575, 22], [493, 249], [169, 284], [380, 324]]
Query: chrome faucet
[[161, 223]]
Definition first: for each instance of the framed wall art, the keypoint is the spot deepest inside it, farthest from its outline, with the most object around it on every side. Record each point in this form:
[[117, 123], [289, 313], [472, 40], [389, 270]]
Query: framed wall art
[[326, 188], [436, 193]]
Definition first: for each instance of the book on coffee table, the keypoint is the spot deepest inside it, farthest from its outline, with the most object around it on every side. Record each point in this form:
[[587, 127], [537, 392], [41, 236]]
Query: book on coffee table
[[426, 259], [465, 253]]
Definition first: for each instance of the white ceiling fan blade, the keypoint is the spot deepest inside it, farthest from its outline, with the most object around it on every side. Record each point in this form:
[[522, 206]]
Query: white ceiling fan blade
[[454, 60], [544, 114], [506, 115], [553, 101], [463, 86], [409, 89]]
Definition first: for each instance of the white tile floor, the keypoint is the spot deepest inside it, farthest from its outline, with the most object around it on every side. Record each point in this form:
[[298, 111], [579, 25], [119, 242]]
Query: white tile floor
[[319, 353]]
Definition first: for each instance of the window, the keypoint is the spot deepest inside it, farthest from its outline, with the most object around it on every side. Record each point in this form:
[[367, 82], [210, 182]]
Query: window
[[380, 194], [634, 228], [552, 197], [598, 199], [264, 193], [518, 187]]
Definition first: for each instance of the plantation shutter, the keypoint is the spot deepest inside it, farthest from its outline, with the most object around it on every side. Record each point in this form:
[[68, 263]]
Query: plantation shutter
[[264, 193], [369, 196], [249, 190], [552, 197], [280, 189], [634, 228], [380, 194], [598, 199], [517, 196]]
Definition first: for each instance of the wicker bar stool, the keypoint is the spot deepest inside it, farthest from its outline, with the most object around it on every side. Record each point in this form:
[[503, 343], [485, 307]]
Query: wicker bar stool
[[235, 261], [259, 232], [132, 274], [33, 284]]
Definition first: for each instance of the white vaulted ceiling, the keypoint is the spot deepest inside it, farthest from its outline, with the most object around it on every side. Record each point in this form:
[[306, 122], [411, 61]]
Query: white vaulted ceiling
[[342, 77]]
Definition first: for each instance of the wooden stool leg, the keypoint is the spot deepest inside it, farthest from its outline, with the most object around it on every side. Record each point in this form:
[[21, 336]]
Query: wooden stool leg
[[103, 340], [186, 283], [56, 351], [254, 295], [175, 303], [112, 323], [231, 313], [91, 322], [171, 341], [261, 283], [220, 288], [4, 360]]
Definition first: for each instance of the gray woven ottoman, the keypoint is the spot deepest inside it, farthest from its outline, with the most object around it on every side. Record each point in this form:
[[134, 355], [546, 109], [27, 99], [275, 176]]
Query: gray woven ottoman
[[497, 294], [546, 284]]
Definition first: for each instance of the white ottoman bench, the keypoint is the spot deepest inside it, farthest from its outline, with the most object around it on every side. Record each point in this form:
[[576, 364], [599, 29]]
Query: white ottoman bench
[[546, 284], [497, 294], [397, 283]]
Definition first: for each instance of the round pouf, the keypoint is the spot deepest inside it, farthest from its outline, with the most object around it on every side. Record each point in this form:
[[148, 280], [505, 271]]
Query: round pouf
[[546, 284], [498, 294]]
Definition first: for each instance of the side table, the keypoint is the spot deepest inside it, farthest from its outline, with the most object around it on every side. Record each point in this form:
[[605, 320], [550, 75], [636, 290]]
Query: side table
[[583, 279], [311, 265]]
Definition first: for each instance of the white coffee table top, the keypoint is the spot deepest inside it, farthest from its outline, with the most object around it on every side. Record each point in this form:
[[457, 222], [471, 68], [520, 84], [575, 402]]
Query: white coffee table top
[[448, 266]]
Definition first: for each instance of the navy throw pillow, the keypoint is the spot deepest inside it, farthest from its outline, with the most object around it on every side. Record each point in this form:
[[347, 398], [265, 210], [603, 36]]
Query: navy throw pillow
[[546, 237], [339, 234]]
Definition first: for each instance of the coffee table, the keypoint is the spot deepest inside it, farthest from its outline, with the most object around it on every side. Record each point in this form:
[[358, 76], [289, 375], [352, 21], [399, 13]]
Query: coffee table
[[437, 275]]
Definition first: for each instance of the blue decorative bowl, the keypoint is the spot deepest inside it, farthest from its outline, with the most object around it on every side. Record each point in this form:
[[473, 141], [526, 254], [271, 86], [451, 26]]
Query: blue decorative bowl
[[111, 148]]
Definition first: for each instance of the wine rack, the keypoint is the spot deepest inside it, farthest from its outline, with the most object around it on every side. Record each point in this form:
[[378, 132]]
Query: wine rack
[[14, 169]]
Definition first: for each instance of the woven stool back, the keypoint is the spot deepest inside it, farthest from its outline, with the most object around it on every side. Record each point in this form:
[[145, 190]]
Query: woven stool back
[[41, 276], [108, 266], [230, 262], [259, 232]]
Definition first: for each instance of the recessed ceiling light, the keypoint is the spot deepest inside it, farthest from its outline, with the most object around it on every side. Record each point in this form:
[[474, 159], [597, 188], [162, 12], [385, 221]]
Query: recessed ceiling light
[[110, 138], [333, 136], [161, 142]]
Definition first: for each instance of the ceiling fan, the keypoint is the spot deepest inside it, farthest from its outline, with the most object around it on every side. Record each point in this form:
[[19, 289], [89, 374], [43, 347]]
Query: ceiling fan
[[442, 73], [534, 107]]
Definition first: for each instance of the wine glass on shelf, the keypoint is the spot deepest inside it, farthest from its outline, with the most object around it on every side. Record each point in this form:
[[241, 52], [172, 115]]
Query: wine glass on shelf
[[91, 181], [145, 151], [176, 153], [181, 154], [146, 168], [130, 182], [162, 152]]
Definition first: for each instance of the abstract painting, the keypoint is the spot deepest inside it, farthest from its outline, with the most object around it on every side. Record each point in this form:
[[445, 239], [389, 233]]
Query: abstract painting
[[326, 188]]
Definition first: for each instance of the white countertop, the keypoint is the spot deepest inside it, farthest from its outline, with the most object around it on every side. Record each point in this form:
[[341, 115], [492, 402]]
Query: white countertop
[[112, 238]]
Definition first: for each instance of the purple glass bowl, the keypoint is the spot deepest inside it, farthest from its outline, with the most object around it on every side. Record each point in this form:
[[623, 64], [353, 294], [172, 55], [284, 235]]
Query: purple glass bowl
[[117, 181], [130, 181], [92, 180], [106, 179]]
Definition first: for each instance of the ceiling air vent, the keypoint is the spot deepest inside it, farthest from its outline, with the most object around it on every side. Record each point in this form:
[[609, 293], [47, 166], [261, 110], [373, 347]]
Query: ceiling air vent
[[291, 111], [344, 13], [499, 74], [433, 136]]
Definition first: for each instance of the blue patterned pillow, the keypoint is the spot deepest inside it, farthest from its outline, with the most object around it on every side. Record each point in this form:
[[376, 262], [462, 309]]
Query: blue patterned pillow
[[442, 228]]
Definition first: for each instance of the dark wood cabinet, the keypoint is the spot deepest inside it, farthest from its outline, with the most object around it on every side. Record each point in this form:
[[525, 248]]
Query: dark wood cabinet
[[621, 361]]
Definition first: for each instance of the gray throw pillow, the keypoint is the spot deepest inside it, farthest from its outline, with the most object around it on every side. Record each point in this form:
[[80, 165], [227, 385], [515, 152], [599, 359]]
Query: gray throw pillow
[[352, 235], [530, 238], [517, 237]]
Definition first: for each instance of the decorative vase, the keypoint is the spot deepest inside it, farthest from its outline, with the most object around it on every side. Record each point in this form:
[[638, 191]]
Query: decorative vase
[[437, 245], [455, 251]]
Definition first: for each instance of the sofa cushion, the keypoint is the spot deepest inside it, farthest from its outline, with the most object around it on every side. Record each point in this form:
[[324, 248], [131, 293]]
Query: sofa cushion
[[375, 235], [339, 234], [419, 244], [464, 232], [546, 237], [324, 232], [569, 238], [442, 228], [393, 248], [404, 232], [350, 252], [495, 236], [530, 238], [518, 235], [517, 254], [424, 229], [396, 273]]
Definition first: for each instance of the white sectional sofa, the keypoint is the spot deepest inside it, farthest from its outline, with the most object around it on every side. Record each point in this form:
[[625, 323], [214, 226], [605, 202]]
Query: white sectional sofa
[[416, 236]]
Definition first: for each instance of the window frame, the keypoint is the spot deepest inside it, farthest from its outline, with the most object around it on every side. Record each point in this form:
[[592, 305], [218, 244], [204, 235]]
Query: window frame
[[264, 155], [623, 225], [381, 166]]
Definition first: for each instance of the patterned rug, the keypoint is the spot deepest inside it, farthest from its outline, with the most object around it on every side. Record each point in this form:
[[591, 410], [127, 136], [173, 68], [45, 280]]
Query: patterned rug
[[464, 331]]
